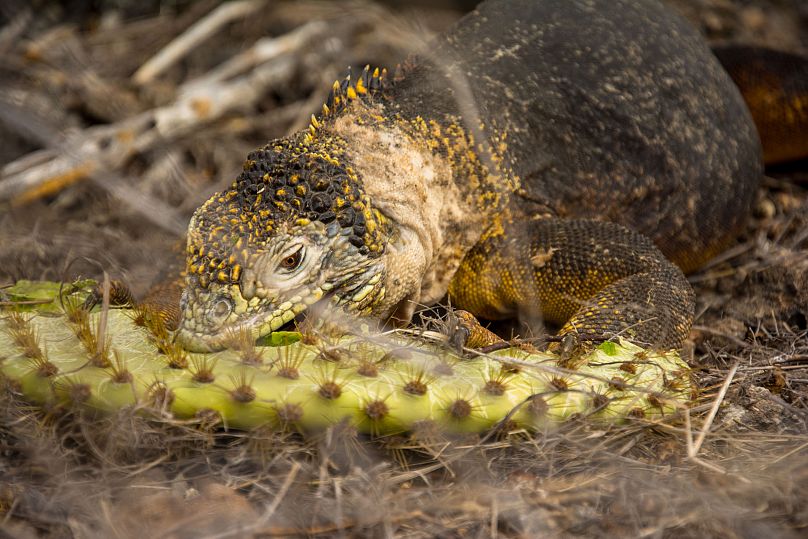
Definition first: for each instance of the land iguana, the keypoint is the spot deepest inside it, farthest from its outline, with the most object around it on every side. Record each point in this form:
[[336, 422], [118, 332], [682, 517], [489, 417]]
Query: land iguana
[[564, 160]]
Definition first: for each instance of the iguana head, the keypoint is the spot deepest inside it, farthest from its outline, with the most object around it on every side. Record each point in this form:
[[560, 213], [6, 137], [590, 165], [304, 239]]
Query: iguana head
[[295, 228], [358, 212]]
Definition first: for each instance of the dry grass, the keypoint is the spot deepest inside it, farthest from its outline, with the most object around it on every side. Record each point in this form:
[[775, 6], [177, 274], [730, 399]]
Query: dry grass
[[735, 467]]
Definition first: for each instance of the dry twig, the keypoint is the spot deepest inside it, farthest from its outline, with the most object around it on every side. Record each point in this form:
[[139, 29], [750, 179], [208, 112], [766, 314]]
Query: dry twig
[[191, 38], [99, 150]]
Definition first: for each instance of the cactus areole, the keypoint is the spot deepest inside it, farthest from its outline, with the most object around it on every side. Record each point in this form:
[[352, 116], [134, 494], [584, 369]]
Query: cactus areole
[[53, 354]]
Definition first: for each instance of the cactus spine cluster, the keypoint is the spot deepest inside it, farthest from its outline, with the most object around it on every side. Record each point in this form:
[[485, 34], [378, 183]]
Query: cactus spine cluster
[[58, 355]]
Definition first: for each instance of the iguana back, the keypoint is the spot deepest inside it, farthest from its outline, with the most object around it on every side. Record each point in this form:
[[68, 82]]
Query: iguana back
[[613, 110]]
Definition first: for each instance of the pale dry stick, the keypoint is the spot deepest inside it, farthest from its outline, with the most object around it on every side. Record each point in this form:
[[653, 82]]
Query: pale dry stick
[[667, 524], [290, 478], [109, 517], [713, 411], [339, 516], [25, 123], [262, 51], [717, 333], [10, 33], [102, 319], [241, 531], [101, 150], [186, 42], [718, 469], [494, 518], [772, 367], [786, 455], [48, 171], [688, 433], [317, 531]]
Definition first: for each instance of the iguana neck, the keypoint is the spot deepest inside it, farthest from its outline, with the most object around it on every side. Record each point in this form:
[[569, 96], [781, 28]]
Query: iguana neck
[[440, 189]]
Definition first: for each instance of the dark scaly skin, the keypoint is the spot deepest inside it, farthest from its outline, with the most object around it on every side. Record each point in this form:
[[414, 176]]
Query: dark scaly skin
[[508, 168]]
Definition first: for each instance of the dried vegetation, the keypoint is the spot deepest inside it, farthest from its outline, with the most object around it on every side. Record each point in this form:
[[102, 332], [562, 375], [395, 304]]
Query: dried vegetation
[[107, 151]]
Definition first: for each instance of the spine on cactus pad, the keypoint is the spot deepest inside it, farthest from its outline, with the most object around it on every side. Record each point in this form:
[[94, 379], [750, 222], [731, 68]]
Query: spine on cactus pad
[[55, 354]]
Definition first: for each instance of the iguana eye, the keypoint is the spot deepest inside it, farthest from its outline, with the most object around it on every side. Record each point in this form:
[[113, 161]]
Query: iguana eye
[[292, 261], [221, 309]]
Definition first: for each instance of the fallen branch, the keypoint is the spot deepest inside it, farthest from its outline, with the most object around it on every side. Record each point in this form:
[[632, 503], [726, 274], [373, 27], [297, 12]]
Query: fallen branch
[[97, 150], [191, 38]]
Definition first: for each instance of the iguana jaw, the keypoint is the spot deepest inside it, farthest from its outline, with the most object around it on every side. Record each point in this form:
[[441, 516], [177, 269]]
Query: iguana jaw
[[331, 273], [200, 332]]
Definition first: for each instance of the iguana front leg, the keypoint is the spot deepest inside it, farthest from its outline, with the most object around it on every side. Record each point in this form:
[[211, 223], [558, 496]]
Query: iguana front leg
[[594, 279]]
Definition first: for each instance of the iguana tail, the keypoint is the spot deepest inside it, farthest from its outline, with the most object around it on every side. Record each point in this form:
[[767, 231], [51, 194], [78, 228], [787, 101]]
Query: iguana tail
[[774, 85]]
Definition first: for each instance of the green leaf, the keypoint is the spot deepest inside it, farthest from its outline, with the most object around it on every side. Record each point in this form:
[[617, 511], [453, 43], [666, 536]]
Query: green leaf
[[279, 338], [609, 348]]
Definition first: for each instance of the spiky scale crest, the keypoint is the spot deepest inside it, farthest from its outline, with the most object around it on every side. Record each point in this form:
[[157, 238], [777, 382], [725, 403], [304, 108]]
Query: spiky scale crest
[[369, 86], [295, 180]]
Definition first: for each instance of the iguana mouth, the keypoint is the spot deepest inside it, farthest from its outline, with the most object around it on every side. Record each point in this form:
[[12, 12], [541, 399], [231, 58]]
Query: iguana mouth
[[197, 334], [200, 331]]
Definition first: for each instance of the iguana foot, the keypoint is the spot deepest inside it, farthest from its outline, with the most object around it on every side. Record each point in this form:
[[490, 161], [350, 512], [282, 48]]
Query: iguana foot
[[162, 302], [465, 331], [119, 295]]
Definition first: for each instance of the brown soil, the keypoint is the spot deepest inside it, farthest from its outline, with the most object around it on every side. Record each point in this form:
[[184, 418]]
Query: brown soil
[[68, 71]]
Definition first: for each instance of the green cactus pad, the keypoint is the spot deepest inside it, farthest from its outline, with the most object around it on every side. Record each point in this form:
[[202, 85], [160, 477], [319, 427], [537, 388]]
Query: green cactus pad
[[384, 383]]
